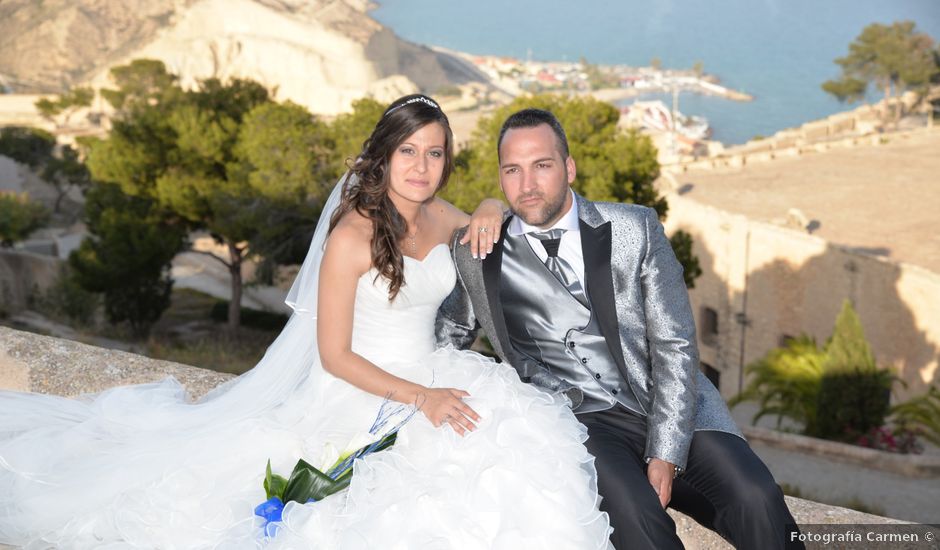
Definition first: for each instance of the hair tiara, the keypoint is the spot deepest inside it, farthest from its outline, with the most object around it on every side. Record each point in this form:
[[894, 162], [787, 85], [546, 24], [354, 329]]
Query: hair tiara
[[418, 99]]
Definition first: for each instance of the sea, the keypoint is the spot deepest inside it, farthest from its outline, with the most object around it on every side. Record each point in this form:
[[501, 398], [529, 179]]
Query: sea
[[779, 51]]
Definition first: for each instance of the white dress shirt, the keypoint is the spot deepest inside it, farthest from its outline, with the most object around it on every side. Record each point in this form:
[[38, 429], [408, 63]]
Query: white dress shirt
[[569, 249]]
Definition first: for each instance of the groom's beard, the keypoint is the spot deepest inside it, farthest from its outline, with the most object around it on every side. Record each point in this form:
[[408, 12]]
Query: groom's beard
[[538, 216]]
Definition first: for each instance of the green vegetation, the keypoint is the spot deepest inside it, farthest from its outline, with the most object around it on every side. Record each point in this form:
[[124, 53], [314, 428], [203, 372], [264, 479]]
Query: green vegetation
[[349, 131], [613, 165], [19, 216], [201, 343], [785, 383], [69, 301], [835, 393], [66, 104], [681, 242], [921, 414], [598, 78], [29, 146], [59, 166], [222, 157], [854, 394], [252, 318], [893, 57], [225, 158], [127, 257]]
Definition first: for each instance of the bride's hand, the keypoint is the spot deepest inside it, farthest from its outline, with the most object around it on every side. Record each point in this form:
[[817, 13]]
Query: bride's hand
[[485, 223], [446, 406]]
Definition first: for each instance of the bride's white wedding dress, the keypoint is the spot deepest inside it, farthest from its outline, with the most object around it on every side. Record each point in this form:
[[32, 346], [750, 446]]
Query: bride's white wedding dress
[[137, 467]]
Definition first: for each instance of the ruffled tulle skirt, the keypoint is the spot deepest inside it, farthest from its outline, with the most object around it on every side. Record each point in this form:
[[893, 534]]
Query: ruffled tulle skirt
[[89, 477]]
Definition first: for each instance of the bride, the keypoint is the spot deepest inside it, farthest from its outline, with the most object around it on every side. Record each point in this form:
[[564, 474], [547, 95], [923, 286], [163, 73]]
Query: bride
[[489, 462]]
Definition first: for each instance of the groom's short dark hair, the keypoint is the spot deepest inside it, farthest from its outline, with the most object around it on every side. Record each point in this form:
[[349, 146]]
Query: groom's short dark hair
[[530, 118]]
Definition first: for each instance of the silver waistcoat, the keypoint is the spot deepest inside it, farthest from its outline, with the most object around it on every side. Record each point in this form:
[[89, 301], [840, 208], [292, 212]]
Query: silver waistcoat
[[548, 325]]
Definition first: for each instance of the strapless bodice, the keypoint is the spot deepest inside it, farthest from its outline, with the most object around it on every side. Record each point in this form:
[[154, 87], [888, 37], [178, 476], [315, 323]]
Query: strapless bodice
[[403, 329]]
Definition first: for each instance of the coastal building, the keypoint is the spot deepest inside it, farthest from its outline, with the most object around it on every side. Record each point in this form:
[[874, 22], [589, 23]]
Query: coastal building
[[783, 242]]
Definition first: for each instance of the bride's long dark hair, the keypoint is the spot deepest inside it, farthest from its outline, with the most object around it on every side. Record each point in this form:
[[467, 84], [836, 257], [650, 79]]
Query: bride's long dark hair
[[369, 195]]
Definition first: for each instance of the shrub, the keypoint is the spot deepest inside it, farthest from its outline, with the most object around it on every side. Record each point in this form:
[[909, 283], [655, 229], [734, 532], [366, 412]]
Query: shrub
[[837, 393], [785, 382], [252, 318], [126, 257], [19, 216], [921, 413], [67, 298], [854, 394]]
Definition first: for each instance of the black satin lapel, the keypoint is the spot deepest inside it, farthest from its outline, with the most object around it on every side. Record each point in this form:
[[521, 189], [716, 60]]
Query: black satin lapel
[[492, 272], [596, 249]]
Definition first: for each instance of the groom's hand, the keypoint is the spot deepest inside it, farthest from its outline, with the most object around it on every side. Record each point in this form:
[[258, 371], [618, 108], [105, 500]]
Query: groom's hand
[[661, 473]]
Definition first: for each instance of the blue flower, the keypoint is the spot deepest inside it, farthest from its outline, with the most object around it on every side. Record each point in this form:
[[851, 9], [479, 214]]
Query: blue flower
[[270, 510]]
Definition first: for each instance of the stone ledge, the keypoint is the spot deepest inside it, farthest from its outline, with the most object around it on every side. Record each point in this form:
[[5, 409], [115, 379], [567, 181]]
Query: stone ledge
[[31, 362], [920, 466], [43, 364], [805, 512]]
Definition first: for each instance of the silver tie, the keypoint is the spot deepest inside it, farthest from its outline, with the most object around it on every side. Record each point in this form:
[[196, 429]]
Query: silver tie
[[560, 268]]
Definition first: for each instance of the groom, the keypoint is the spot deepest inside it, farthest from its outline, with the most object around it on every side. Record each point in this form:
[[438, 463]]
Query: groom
[[587, 300]]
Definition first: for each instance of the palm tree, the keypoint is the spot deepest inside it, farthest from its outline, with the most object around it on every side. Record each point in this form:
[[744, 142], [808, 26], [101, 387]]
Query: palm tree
[[785, 383]]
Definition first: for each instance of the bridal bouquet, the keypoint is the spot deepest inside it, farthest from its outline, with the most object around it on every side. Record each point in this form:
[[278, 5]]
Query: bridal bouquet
[[309, 484]]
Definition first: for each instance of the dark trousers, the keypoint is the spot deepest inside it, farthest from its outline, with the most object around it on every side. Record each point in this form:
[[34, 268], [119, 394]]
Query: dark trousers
[[725, 487]]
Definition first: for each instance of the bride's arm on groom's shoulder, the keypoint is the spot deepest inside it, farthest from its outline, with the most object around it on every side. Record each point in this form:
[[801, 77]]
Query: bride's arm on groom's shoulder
[[484, 224]]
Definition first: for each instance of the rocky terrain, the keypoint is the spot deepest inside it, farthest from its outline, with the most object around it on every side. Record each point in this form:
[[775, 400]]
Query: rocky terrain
[[322, 53]]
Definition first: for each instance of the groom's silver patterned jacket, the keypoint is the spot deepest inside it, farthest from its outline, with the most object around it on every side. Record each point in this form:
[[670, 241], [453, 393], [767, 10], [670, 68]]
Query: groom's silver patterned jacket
[[638, 293]]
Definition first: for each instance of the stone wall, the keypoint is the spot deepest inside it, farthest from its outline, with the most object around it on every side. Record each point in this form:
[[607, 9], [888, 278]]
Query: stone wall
[[860, 126], [767, 283], [30, 362]]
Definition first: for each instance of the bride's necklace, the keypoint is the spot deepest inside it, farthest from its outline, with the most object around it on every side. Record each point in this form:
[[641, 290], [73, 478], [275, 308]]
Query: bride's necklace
[[411, 239]]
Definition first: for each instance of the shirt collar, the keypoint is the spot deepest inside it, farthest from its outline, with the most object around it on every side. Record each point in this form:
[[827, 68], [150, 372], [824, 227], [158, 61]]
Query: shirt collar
[[568, 222]]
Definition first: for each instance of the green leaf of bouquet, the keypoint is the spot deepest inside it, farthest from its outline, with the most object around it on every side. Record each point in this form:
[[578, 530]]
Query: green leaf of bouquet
[[274, 484], [307, 482], [386, 442]]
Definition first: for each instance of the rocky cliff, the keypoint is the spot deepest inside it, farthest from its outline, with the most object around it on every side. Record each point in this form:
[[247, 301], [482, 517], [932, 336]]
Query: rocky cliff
[[322, 53]]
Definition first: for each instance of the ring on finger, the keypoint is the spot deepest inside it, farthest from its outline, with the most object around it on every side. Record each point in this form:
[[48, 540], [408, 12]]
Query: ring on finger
[[483, 230]]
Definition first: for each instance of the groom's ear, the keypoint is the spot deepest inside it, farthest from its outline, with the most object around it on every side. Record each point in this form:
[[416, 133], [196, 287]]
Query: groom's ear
[[571, 169]]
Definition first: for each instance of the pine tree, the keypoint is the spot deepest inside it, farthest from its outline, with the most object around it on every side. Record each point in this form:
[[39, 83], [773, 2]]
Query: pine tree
[[848, 349], [126, 258], [222, 158], [854, 394], [892, 57]]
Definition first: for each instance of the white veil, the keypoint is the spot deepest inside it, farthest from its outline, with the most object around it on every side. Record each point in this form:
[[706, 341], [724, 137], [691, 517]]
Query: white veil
[[60, 457], [302, 296]]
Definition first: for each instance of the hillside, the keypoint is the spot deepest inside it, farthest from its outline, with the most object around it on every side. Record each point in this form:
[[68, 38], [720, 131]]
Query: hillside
[[322, 54]]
